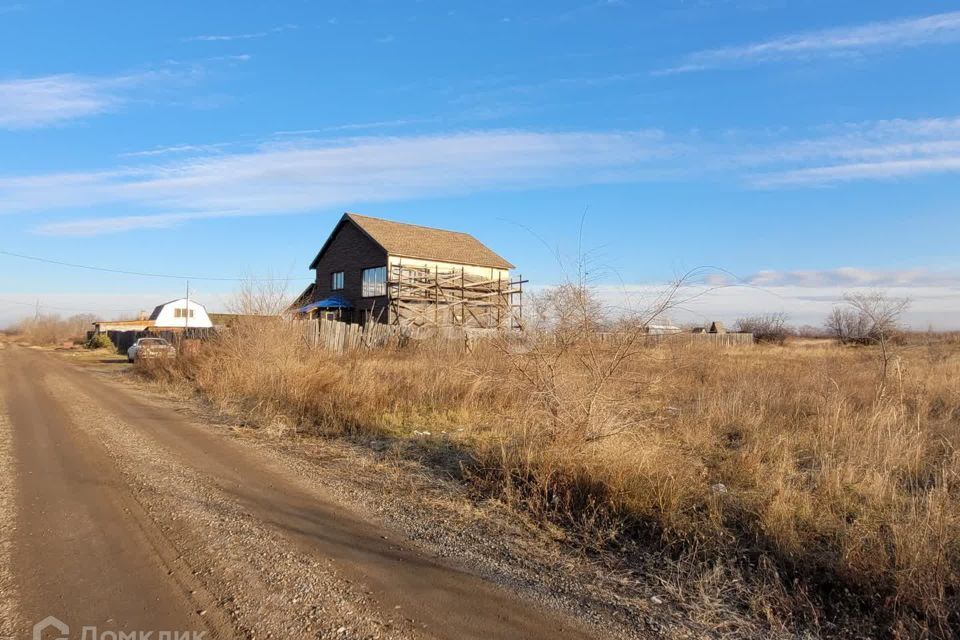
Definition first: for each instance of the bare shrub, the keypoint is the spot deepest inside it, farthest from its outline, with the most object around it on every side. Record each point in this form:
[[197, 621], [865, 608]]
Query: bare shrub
[[847, 326], [869, 318], [770, 327], [49, 329], [260, 297], [811, 332]]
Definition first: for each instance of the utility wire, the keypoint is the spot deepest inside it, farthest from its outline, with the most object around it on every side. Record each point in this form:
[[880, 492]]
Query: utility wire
[[143, 274]]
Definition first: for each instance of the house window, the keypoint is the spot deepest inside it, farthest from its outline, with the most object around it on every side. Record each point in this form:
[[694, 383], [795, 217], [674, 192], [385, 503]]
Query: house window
[[336, 281], [374, 282], [181, 313]]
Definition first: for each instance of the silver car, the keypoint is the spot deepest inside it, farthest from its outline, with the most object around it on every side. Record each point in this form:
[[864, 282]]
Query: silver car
[[151, 348]]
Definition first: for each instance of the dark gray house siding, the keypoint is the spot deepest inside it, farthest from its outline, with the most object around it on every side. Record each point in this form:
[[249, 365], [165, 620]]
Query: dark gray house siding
[[351, 251]]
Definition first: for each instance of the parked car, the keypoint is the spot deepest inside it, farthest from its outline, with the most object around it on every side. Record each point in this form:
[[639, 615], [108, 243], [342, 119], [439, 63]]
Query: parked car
[[151, 348]]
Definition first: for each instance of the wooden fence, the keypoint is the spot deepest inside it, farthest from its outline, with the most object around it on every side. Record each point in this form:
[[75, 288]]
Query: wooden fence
[[123, 340], [714, 339], [340, 337]]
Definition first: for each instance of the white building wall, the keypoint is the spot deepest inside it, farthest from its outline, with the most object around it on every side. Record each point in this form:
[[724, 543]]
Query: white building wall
[[167, 319], [481, 272]]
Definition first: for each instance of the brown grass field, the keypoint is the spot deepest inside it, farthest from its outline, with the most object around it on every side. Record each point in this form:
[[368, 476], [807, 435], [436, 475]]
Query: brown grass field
[[793, 486]]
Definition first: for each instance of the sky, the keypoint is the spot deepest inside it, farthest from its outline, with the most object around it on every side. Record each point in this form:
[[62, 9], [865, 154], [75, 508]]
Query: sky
[[782, 152]]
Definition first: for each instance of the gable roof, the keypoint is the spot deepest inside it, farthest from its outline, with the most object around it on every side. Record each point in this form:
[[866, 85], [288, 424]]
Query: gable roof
[[426, 243]]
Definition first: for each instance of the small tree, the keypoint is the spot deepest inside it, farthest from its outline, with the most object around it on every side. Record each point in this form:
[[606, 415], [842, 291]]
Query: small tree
[[99, 341], [847, 326], [810, 331], [570, 312], [866, 318], [869, 319], [260, 297], [879, 312], [770, 327]]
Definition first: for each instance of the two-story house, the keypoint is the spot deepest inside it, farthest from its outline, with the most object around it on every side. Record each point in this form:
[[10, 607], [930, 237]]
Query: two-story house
[[373, 270]]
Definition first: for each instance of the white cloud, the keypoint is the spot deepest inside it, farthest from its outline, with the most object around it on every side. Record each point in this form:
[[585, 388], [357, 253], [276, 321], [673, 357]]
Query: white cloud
[[120, 224], [877, 150], [856, 277], [239, 57], [876, 36], [36, 102], [806, 300], [27, 103], [175, 149], [240, 36], [305, 174], [313, 175], [357, 126], [930, 305], [859, 171]]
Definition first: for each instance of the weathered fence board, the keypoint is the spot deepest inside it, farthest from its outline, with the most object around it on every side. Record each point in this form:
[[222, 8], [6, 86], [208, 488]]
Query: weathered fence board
[[341, 337], [715, 339]]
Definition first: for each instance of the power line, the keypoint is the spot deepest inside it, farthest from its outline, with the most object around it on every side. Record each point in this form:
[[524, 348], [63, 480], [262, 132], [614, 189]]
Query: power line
[[143, 274]]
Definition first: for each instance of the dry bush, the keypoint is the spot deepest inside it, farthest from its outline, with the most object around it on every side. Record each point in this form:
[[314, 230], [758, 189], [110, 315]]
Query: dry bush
[[866, 318], [777, 481], [770, 327], [49, 329]]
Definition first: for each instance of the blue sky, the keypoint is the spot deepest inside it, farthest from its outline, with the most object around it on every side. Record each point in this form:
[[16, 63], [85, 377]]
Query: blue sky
[[806, 148]]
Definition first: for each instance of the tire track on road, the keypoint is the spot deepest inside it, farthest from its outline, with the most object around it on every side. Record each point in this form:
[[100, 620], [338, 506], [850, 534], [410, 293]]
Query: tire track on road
[[257, 579], [431, 597], [9, 616], [82, 550]]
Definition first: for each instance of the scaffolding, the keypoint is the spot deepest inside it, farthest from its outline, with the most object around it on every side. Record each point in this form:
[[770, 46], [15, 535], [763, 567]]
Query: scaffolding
[[425, 297]]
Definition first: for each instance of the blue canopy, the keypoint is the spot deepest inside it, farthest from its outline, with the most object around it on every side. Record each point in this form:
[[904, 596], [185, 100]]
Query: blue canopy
[[333, 302]]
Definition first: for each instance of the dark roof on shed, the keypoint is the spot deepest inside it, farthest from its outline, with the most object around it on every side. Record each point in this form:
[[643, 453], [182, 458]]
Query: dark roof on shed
[[426, 243]]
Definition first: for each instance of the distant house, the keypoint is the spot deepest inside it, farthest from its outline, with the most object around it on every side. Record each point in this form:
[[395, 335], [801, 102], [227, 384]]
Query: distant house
[[168, 316], [180, 314], [175, 316], [373, 270], [717, 327]]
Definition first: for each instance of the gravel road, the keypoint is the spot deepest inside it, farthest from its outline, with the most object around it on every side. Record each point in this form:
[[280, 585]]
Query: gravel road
[[126, 513]]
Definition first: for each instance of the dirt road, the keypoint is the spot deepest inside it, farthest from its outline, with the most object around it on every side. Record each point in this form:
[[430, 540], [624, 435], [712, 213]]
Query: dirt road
[[126, 516]]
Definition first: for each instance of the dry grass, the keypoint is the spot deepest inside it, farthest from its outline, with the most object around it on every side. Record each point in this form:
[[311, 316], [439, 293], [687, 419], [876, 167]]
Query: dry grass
[[788, 487], [46, 329]]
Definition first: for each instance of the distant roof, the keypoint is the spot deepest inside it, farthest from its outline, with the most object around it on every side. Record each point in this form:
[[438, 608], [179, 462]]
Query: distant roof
[[124, 322], [156, 311], [426, 243], [302, 299]]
